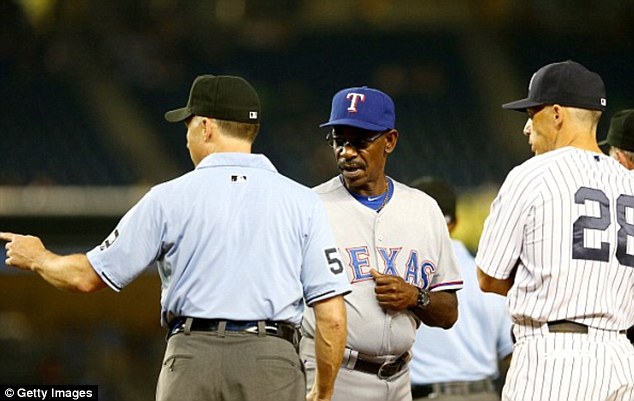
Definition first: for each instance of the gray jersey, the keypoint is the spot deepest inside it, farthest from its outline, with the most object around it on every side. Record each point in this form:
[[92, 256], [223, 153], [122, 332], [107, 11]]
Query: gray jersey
[[407, 238]]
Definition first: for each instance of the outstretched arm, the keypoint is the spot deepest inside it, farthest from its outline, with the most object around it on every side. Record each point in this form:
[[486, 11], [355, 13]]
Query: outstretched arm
[[330, 342], [394, 293], [70, 273]]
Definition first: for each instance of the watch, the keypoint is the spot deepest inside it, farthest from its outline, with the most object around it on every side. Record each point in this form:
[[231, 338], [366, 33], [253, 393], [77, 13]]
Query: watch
[[423, 299]]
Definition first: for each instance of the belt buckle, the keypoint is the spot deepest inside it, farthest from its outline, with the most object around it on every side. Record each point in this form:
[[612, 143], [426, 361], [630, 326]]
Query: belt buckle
[[389, 369], [396, 366]]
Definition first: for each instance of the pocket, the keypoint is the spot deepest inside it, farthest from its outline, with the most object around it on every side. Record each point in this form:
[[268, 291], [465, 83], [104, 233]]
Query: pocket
[[279, 375], [177, 362], [277, 362]]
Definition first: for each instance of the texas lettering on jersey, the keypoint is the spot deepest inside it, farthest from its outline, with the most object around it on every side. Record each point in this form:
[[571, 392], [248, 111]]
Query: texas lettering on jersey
[[413, 268]]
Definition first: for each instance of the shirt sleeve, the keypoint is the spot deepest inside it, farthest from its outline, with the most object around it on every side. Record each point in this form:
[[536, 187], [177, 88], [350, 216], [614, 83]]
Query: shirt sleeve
[[134, 245], [323, 274], [502, 236], [447, 276]]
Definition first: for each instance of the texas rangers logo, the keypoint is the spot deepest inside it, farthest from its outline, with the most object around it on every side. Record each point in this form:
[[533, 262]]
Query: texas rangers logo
[[416, 270], [354, 98]]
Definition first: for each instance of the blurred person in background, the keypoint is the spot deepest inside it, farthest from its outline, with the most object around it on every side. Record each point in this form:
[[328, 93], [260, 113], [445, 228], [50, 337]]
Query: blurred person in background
[[620, 139], [468, 361], [620, 142], [239, 249]]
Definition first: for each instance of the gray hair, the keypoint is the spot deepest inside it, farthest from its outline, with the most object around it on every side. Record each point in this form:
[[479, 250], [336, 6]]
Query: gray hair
[[628, 155]]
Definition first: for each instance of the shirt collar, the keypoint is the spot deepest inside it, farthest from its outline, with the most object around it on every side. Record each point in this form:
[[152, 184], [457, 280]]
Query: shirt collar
[[237, 159]]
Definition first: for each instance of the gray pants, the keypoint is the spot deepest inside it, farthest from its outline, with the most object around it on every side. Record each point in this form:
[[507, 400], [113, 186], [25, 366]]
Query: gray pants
[[484, 396], [239, 366], [352, 385], [478, 390]]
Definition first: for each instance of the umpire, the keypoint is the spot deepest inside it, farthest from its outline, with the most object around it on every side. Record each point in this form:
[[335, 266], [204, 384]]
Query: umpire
[[239, 249]]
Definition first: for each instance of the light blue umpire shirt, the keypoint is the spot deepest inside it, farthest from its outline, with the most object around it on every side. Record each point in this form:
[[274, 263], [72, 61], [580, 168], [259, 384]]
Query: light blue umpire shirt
[[233, 239], [470, 350]]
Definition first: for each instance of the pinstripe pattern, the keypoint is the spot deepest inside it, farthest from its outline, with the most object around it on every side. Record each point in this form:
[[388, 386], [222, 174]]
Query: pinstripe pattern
[[531, 220], [565, 220], [571, 367]]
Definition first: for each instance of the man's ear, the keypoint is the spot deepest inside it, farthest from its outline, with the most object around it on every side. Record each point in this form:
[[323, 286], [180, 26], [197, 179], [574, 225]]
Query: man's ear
[[207, 126], [391, 140], [558, 114]]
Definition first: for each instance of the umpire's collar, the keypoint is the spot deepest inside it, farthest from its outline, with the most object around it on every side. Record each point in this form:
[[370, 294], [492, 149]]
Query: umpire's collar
[[237, 159]]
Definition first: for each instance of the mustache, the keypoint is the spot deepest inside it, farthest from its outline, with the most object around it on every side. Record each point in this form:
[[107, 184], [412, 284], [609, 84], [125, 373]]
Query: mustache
[[343, 165]]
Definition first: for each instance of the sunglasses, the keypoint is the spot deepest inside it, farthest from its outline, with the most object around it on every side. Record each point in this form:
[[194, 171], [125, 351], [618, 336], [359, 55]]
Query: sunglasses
[[357, 143]]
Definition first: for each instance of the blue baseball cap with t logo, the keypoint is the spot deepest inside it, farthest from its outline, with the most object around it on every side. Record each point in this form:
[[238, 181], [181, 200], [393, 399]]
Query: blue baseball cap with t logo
[[364, 108]]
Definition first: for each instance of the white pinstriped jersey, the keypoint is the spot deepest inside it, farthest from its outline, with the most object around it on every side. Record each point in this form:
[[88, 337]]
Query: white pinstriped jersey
[[408, 238], [566, 220]]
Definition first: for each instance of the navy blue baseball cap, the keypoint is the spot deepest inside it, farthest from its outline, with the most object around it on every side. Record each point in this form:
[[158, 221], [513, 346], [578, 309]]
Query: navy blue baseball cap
[[566, 83], [362, 107]]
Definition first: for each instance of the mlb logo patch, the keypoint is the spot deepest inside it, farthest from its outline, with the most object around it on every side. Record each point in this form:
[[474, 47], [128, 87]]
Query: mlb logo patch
[[239, 178], [253, 115]]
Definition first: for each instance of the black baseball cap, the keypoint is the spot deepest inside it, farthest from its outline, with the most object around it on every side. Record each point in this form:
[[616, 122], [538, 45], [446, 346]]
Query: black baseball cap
[[223, 97], [621, 131], [566, 83], [441, 191]]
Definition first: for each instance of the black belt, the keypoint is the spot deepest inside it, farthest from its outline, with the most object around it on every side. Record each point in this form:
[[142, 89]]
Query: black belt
[[284, 330], [463, 387], [383, 370], [566, 326]]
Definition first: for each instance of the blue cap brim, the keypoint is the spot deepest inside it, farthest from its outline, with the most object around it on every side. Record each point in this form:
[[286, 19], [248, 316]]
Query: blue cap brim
[[356, 123]]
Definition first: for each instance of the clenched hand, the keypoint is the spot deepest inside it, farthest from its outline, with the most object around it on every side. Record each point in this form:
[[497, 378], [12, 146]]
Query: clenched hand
[[393, 292]]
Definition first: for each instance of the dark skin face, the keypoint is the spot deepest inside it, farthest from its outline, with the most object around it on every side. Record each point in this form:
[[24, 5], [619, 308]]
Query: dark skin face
[[362, 165], [361, 161]]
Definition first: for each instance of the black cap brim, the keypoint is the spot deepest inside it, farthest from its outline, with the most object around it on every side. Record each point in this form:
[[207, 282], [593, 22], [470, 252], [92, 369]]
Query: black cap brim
[[521, 105], [178, 115]]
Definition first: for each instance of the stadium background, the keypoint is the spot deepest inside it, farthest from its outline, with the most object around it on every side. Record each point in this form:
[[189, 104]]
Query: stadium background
[[84, 85]]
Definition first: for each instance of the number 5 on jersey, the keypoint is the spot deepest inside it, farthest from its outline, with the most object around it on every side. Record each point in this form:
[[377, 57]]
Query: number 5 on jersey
[[332, 256]]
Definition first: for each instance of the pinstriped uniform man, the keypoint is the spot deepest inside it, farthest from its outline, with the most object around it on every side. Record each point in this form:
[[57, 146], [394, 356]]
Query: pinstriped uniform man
[[559, 242]]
